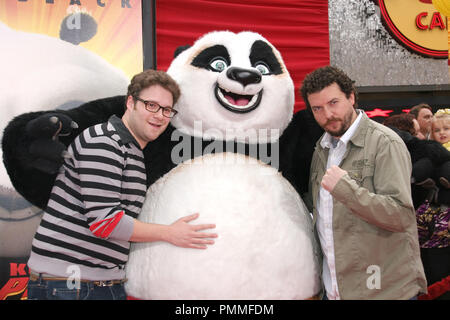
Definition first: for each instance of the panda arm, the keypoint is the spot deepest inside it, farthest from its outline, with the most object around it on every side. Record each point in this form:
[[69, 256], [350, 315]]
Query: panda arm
[[33, 175], [296, 149], [158, 156], [94, 112]]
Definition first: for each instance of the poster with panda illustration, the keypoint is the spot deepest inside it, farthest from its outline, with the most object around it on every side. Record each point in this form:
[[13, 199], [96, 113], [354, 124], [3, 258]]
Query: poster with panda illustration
[[56, 55]]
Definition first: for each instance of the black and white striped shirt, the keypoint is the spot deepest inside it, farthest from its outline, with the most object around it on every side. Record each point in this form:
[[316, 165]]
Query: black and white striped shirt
[[89, 217]]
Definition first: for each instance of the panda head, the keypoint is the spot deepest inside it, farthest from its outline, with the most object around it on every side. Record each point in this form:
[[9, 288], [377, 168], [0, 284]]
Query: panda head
[[233, 87]]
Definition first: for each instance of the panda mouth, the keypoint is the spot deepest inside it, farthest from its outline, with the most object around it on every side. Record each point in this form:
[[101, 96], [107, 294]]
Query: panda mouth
[[237, 102]]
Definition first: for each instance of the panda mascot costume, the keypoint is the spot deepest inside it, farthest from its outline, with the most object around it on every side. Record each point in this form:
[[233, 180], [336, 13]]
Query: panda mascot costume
[[234, 153]]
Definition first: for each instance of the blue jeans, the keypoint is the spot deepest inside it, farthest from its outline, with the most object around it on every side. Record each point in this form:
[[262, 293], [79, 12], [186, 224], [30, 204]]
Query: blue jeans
[[58, 290]]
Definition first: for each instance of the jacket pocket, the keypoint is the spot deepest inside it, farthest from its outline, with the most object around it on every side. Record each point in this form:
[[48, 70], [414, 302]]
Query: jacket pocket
[[355, 175], [363, 176]]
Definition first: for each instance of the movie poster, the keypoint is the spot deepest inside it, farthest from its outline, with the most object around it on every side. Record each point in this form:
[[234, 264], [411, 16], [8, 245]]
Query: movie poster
[[56, 54]]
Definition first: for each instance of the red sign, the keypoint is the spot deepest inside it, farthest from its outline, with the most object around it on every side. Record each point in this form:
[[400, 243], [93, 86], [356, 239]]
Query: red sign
[[417, 26], [13, 285]]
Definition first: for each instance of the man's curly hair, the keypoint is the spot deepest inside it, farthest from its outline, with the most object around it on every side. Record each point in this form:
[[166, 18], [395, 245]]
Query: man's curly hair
[[323, 77]]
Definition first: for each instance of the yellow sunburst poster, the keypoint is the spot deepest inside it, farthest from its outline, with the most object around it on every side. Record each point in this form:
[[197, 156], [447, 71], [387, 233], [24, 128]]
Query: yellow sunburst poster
[[118, 36]]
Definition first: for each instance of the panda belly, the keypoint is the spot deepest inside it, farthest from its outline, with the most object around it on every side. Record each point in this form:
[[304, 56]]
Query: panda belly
[[265, 247]]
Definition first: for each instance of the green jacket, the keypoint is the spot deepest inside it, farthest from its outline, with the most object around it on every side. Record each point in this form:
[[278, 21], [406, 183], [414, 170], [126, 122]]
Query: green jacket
[[374, 223]]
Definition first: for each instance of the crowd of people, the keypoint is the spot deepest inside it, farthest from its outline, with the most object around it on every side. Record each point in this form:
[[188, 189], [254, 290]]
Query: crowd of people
[[427, 137]]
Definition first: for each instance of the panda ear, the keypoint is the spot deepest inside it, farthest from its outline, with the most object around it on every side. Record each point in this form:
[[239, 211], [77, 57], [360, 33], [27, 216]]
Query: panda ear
[[87, 29], [180, 49]]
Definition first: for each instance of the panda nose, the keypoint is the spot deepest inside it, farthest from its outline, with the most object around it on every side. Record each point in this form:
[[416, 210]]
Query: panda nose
[[243, 76]]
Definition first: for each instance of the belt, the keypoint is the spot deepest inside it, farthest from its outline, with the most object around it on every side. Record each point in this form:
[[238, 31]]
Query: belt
[[98, 283]]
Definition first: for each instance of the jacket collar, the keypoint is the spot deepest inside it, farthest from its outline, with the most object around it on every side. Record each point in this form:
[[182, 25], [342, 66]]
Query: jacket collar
[[359, 136], [123, 132]]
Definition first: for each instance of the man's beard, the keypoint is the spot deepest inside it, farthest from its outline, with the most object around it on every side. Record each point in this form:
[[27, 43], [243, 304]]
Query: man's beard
[[346, 122]]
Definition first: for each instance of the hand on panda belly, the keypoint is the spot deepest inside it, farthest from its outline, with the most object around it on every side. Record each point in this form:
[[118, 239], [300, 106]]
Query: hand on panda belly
[[183, 234], [180, 233]]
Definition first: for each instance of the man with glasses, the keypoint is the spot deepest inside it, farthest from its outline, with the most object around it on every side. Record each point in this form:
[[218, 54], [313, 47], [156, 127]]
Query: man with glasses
[[82, 244]]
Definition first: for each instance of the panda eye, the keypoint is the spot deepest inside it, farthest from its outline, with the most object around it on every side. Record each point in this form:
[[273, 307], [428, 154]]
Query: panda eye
[[218, 64], [262, 67]]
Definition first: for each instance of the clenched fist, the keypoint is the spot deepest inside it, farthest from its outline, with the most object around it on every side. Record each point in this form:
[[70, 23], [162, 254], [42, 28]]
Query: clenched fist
[[331, 177]]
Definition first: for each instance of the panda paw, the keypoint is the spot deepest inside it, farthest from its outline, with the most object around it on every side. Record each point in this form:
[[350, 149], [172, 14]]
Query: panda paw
[[50, 126], [45, 149], [47, 155]]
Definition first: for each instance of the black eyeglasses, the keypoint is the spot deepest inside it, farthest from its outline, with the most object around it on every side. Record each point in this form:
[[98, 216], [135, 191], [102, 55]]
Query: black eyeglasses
[[154, 107]]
